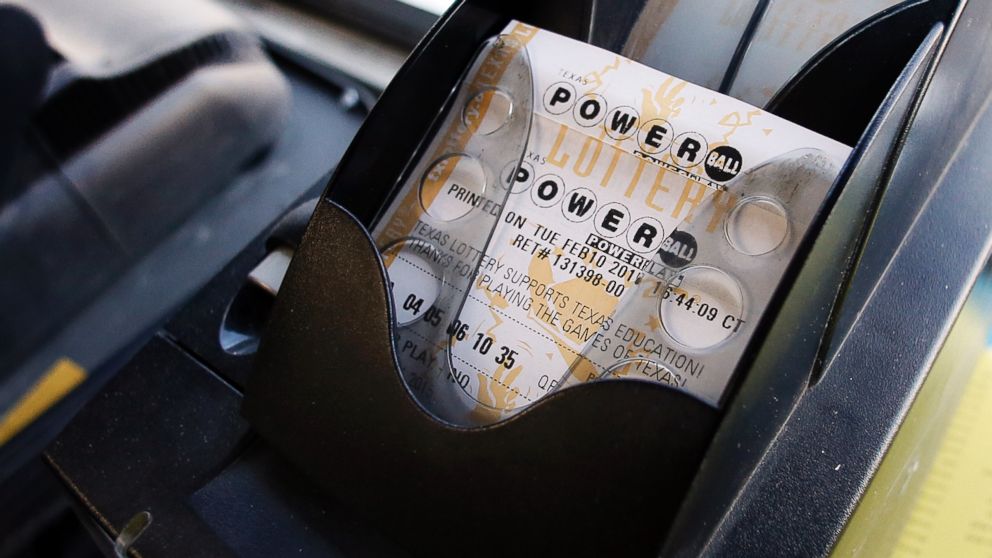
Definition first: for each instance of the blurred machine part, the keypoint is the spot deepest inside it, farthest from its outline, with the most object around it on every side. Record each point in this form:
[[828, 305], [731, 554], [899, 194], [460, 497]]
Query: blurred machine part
[[148, 111], [149, 143]]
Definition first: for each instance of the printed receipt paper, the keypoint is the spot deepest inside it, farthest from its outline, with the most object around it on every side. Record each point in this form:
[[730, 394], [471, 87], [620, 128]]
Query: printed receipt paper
[[619, 156]]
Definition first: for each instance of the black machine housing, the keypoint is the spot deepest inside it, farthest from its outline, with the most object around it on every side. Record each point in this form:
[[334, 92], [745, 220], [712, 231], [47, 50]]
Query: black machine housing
[[211, 444]]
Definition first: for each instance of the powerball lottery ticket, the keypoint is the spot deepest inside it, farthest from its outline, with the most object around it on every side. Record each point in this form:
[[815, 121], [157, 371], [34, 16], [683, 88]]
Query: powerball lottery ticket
[[619, 158]]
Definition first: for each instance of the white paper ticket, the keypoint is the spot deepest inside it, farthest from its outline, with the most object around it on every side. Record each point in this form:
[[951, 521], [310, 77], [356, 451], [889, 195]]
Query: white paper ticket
[[624, 247]]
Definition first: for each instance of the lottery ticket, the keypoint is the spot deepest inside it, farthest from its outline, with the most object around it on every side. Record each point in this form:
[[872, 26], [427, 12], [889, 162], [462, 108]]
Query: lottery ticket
[[638, 230]]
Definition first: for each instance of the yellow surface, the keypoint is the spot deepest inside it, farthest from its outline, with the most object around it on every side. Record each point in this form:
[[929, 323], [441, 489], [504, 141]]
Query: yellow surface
[[952, 515], [932, 493], [57, 381]]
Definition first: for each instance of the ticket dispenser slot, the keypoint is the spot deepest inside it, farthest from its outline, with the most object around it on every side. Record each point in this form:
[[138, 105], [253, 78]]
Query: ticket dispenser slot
[[247, 313], [586, 470], [575, 473], [405, 462]]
